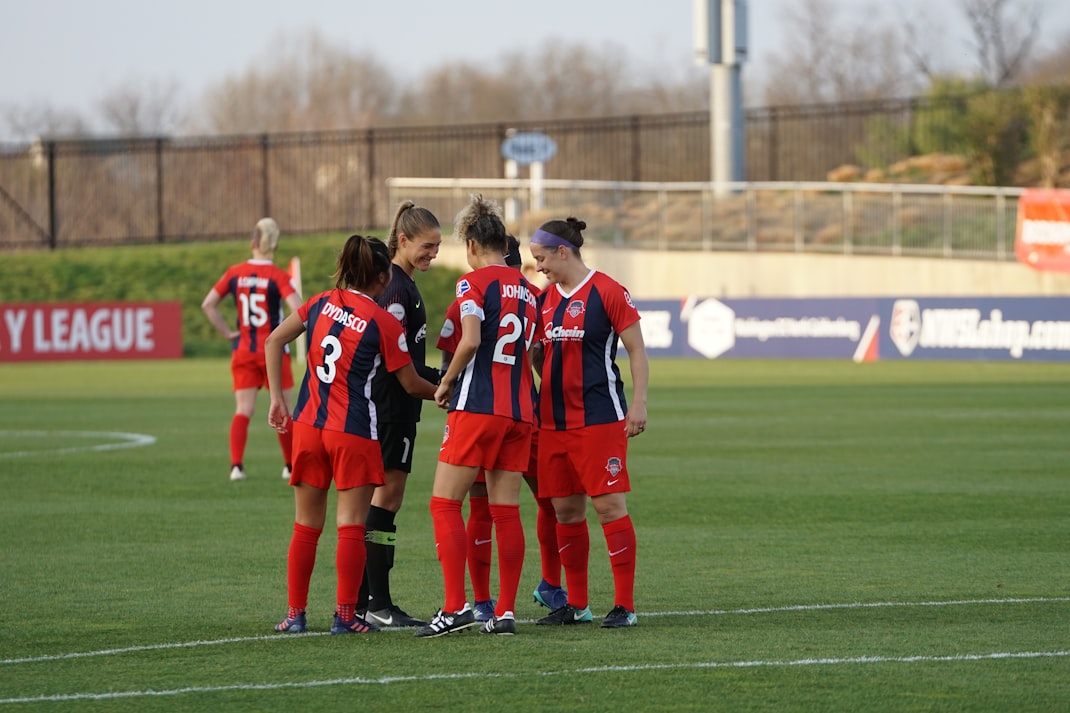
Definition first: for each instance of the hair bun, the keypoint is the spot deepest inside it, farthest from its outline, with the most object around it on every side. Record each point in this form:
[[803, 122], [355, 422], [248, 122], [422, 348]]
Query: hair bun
[[576, 223]]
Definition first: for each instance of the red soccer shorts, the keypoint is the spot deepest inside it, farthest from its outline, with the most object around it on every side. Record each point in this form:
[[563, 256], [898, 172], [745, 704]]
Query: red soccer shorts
[[591, 460], [479, 440], [532, 470], [249, 370], [321, 456]]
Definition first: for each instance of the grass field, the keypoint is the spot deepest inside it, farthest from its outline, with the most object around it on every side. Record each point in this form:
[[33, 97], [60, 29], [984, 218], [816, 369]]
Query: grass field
[[814, 536]]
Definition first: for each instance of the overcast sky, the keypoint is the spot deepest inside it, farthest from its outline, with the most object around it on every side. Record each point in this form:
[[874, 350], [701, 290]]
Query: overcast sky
[[70, 53]]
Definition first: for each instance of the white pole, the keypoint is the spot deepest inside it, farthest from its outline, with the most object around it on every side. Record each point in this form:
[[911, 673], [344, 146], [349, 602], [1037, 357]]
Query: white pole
[[536, 173], [726, 98], [511, 204]]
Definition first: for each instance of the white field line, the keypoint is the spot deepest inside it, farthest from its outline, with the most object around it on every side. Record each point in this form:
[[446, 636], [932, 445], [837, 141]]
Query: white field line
[[118, 440], [712, 612], [995, 656]]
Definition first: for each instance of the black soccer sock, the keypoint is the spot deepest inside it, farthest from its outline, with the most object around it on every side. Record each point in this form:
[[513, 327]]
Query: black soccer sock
[[379, 539]]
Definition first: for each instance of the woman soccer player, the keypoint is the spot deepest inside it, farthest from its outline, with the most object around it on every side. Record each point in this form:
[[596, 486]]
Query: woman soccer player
[[487, 390], [414, 240], [259, 288], [335, 424], [585, 420]]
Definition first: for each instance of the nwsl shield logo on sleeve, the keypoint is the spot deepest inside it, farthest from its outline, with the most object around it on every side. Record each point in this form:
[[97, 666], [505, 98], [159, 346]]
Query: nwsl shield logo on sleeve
[[575, 308], [463, 286]]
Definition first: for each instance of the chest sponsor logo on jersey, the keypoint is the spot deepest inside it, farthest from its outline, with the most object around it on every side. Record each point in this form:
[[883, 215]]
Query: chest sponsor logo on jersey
[[560, 334], [575, 308], [398, 310], [421, 333]]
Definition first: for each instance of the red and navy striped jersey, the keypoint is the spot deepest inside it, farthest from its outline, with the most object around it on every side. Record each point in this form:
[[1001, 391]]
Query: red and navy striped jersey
[[350, 340], [259, 289], [581, 384], [498, 378]]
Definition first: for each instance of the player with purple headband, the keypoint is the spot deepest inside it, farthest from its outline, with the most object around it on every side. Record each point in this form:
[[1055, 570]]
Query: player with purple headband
[[585, 419]]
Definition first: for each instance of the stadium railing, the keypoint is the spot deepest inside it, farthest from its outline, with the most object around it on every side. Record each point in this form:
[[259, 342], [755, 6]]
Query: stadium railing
[[849, 218]]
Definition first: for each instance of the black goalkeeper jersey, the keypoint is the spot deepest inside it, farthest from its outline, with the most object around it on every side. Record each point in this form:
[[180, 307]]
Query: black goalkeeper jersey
[[402, 299]]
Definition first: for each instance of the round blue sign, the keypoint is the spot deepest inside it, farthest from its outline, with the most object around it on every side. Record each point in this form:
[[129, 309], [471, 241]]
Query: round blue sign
[[530, 147]]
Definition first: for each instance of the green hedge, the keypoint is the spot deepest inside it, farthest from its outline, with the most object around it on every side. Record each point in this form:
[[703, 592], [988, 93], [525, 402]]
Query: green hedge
[[185, 272]]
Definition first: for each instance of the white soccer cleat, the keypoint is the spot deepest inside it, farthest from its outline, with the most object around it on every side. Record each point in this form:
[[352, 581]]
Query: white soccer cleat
[[236, 473]]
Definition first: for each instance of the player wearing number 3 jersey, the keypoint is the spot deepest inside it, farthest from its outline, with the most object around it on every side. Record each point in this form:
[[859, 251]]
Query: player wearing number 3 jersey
[[487, 391], [259, 289], [335, 422]]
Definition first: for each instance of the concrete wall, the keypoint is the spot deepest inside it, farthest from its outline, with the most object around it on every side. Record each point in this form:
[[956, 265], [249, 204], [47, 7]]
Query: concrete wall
[[667, 275]]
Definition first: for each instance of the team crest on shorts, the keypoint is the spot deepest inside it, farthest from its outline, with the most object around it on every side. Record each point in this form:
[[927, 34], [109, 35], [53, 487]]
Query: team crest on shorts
[[575, 308], [613, 467]]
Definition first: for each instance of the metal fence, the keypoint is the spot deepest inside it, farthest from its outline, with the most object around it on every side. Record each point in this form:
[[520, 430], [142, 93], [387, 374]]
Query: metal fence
[[847, 218], [61, 194]]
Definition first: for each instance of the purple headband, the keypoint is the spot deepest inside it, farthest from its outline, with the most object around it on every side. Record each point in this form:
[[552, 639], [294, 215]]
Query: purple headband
[[549, 240]]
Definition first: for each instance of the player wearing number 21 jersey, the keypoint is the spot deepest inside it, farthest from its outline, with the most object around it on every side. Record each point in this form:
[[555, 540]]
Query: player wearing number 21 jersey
[[487, 390]]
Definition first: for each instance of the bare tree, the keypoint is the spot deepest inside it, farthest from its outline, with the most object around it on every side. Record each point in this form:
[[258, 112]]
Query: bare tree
[[1002, 36], [1052, 66], [305, 84], [830, 57], [27, 122], [1004, 33], [565, 81], [139, 108]]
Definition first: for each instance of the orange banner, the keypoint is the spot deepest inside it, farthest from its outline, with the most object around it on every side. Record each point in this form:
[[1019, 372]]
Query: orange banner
[[1043, 240]]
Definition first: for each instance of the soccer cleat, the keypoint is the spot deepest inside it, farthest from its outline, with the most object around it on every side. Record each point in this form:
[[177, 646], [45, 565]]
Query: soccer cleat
[[393, 616], [236, 473], [619, 617], [295, 625], [567, 614], [286, 473], [504, 625], [550, 596], [485, 610], [443, 623], [356, 625]]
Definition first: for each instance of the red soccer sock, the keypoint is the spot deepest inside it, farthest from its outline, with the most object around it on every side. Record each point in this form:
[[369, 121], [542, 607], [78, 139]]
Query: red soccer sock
[[452, 546], [574, 547], [510, 535], [546, 530], [286, 440], [620, 541], [300, 562], [239, 434], [349, 562], [480, 546]]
